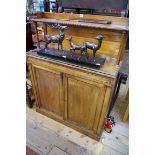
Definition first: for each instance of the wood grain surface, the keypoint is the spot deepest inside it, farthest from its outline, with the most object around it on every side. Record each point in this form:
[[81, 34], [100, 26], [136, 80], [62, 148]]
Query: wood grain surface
[[76, 98]]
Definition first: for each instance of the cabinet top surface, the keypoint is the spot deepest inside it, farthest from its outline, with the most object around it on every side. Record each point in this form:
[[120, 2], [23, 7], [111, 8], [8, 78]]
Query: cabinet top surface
[[108, 69], [117, 23], [76, 23]]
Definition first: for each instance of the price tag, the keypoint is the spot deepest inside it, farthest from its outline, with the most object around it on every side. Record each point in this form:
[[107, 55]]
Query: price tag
[[64, 56], [81, 15]]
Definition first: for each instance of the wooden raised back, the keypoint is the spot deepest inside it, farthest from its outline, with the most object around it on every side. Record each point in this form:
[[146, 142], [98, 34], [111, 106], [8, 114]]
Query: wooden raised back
[[115, 34]]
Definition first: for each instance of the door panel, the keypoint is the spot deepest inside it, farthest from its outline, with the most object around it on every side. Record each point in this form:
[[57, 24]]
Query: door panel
[[83, 98], [49, 90]]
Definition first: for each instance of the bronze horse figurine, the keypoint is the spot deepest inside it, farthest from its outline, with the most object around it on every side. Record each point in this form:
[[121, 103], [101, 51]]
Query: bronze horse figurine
[[75, 47], [94, 46], [56, 38]]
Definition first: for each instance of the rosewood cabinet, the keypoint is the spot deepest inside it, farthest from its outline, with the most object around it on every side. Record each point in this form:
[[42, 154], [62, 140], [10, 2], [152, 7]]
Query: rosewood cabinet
[[73, 95]]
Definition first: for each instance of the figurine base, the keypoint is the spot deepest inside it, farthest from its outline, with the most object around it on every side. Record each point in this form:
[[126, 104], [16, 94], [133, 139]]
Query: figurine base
[[72, 57]]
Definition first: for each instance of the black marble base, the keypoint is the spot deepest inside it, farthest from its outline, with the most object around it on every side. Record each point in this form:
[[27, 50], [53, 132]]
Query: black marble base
[[72, 57]]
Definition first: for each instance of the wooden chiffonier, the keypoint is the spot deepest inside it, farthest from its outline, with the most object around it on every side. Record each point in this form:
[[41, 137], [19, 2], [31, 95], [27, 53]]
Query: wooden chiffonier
[[74, 95]]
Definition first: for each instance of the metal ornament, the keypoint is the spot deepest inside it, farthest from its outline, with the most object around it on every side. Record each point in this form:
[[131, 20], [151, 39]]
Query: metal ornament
[[75, 47], [94, 46], [56, 38]]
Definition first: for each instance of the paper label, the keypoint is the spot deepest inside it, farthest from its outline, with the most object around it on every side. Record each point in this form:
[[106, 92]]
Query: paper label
[[81, 15]]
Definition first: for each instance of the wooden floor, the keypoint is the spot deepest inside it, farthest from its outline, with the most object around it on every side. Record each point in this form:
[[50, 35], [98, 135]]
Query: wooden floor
[[48, 137]]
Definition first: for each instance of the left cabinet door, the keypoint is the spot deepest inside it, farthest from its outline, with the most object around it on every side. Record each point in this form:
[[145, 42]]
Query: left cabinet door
[[49, 91]]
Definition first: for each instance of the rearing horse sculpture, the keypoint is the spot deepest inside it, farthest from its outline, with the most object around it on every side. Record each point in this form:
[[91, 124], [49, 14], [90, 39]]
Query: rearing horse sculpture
[[56, 38]]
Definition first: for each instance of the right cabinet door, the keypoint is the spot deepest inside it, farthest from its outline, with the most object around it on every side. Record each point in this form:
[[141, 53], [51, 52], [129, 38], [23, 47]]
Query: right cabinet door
[[84, 102]]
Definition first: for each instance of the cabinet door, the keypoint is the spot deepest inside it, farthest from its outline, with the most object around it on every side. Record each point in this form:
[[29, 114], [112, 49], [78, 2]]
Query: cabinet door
[[49, 91], [84, 100]]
